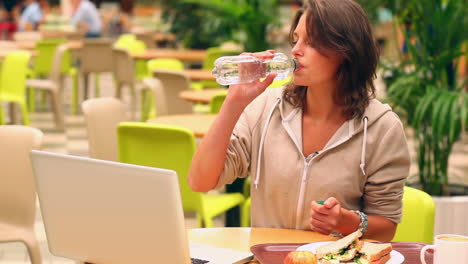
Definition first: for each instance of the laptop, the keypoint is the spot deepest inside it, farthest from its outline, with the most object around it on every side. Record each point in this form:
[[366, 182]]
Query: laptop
[[106, 212]]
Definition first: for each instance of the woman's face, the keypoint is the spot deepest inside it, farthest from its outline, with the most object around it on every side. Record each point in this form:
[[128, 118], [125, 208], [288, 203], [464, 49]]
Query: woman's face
[[314, 68]]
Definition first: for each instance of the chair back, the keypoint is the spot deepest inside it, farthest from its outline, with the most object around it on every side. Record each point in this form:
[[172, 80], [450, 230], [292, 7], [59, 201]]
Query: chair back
[[216, 102], [166, 96], [46, 50], [161, 146], [208, 63], [13, 76], [165, 63], [60, 62], [148, 39], [96, 56], [124, 70], [102, 117], [17, 188], [417, 224]]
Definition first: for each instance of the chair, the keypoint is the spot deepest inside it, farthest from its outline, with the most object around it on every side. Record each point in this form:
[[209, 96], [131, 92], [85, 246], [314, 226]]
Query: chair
[[134, 46], [170, 147], [13, 81], [124, 73], [102, 117], [147, 102], [95, 57], [166, 95], [216, 102], [417, 224], [208, 64], [43, 65], [54, 85], [17, 189], [147, 38]]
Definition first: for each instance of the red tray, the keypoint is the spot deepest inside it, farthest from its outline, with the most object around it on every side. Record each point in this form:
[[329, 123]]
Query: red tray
[[274, 253]]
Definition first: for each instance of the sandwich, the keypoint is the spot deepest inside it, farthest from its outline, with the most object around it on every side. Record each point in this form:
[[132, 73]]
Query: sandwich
[[372, 253], [340, 251]]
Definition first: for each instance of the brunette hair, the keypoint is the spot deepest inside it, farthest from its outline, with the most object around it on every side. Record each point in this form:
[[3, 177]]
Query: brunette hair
[[340, 28]]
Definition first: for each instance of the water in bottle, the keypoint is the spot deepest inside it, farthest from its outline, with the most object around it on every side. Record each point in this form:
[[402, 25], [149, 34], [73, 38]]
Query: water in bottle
[[244, 68]]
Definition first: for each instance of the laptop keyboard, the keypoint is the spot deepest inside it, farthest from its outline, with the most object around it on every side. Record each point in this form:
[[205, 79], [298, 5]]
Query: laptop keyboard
[[198, 261]]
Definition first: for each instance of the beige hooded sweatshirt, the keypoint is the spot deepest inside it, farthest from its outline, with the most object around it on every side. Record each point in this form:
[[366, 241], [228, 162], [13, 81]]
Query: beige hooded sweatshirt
[[364, 165]]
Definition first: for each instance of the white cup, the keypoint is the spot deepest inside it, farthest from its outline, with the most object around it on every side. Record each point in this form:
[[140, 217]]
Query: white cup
[[448, 248]]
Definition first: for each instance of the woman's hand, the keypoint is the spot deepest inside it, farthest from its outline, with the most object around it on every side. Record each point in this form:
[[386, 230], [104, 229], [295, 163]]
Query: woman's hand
[[245, 93], [325, 218]]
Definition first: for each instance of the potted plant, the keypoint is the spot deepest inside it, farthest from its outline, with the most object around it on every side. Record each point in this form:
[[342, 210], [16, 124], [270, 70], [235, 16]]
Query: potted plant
[[426, 89], [212, 22]]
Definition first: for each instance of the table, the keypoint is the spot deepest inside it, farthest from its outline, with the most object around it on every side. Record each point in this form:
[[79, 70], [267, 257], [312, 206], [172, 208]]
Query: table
[[244, 238], [185, 55], [5, 52], [201, 96], [198, 123], [198, 75]]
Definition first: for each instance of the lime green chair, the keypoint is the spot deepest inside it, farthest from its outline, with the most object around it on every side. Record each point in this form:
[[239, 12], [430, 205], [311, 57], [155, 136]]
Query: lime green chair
[[148, 109], [417, 224], [208, 64], [245, 207], [216, 102], [13, 81], [170, 147]]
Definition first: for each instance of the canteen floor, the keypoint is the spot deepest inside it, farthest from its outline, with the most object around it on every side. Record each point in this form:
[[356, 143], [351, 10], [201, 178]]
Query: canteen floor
[[74, 141]]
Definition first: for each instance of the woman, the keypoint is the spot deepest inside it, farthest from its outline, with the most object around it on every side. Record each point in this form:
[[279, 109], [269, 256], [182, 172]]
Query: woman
[[324, 137]]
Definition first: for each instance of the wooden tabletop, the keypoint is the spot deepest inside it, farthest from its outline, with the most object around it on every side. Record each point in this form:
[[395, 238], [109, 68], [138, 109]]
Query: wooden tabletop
[[198, 123], [200, 75], [243, 238], [274, 244], [201, 96], [183, 54], [5, 52]]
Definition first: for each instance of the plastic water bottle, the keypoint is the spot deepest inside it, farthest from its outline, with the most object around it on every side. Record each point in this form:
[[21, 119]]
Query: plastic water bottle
[[228, 69]]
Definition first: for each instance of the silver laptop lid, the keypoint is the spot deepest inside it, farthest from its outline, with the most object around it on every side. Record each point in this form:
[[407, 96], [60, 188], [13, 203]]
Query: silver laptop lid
[[108, 212]]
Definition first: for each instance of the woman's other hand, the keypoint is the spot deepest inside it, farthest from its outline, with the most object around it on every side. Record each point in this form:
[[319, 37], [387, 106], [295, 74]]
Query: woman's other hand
[[245, 93], [325, 218]]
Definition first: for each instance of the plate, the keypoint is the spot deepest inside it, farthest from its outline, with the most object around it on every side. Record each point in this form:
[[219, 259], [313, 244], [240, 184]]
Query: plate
[[395, 256]]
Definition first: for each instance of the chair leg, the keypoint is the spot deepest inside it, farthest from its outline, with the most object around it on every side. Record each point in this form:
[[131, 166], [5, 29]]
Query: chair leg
[[118, 90], [32, 100], [2, 122], [133, 102], [97, 88], [34, 252], [75, 95], [208, 222], [57, 108], [43, 100], [24, 113], [86, 86]]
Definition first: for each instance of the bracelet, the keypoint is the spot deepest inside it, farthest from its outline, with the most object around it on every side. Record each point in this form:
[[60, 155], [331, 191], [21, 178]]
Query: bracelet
[[363, 224]]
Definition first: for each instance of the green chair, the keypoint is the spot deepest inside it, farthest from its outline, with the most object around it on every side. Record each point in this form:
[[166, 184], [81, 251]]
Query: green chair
[[208, 64], [417, 224], [170, 147], [216, 102], [13, 82]]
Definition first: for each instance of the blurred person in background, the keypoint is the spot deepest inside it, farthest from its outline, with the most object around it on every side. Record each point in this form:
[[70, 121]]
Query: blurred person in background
[[31, 16], [86, 18]]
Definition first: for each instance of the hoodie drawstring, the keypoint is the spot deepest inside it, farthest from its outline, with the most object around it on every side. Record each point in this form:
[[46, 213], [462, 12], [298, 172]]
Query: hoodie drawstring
[[363, 151], [262, 139]]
